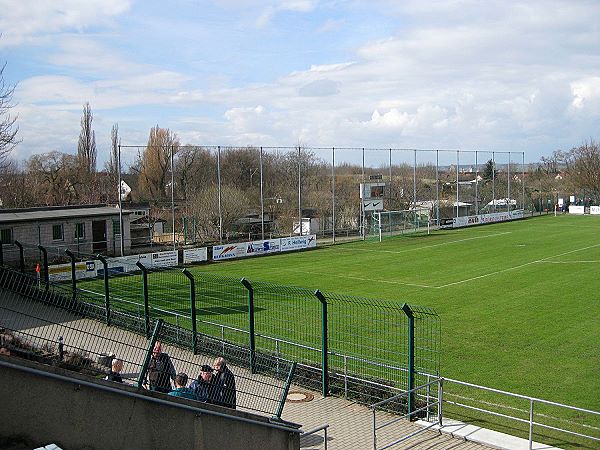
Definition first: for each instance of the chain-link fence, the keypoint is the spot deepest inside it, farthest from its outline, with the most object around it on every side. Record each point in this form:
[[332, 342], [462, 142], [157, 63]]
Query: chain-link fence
[[231, 194], [359, 348], [45, 323]]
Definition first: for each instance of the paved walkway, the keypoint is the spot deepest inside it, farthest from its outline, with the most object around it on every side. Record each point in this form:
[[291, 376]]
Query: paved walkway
[[350, 424]]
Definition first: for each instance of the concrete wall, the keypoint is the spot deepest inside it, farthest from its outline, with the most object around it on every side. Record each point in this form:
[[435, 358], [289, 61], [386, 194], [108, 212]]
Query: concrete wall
[[73, 415]]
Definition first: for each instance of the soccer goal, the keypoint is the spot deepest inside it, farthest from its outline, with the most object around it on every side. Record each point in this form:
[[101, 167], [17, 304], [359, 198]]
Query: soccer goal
[[394, 223]]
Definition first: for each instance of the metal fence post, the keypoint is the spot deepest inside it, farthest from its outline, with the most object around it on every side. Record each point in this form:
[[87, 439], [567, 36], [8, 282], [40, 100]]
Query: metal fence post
[[324, 347], [21, 256], [530, 424], [145, 292], [73, 275], [286, 390], [153, 339], [193, 310], [411, 359], [45, 262], [248, 286], [440, 400], [106, 292], [2, 254]]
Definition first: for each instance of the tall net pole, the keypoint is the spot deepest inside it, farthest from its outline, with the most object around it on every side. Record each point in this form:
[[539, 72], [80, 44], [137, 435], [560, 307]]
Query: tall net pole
[[120, 204], [219, 194], [299, 194], [333, 193], [173, 195], [262, 201]]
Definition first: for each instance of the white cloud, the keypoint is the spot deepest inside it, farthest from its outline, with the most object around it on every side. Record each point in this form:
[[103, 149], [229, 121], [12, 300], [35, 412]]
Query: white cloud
[[26, 21]]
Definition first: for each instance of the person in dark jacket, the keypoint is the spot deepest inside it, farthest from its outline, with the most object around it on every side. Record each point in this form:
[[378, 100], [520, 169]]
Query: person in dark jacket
[[225, 384], [205, 386], [115, 372], [160, 370]]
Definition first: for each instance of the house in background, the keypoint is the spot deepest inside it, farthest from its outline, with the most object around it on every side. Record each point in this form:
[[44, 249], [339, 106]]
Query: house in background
[[87, 229]]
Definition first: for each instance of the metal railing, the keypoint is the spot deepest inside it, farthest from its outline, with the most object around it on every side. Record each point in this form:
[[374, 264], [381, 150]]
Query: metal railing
[[429, 402], [410, 415], [312, 432]]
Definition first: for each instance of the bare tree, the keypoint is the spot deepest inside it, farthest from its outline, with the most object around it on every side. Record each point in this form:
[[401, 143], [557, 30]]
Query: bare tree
[[55, 179], [584, 169], [8, 127], [154, 164], [86, 149]]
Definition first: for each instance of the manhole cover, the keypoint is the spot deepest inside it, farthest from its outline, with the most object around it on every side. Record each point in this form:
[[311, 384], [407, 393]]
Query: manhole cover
[[299, 397]]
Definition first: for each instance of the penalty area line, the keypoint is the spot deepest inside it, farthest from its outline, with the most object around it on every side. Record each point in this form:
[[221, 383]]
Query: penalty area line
[[537, 261]]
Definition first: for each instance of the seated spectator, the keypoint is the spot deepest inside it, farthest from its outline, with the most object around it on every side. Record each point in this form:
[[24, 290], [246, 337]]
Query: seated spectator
[[115, 372], [180, 387], [205, 386], [4, 351]]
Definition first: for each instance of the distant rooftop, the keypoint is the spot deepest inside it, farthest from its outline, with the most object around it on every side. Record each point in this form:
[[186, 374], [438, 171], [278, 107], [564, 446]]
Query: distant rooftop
[[57, 212]]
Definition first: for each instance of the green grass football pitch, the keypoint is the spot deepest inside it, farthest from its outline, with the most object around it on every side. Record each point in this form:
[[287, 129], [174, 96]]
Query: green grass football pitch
[[518, 302]]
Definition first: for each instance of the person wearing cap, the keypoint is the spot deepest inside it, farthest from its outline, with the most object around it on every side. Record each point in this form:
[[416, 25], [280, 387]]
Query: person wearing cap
[[181, 389], [205, 386]]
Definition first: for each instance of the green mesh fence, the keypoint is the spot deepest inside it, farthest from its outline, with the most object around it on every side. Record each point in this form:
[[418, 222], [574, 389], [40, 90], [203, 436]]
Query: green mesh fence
[[373, 350]]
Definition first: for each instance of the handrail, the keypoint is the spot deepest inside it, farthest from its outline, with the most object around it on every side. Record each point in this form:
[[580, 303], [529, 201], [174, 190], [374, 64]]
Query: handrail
[[403, 394], [524, 397], [316, 430]]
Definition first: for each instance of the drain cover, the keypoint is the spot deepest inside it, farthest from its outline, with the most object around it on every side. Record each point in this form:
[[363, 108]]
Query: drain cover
[[299, 397]]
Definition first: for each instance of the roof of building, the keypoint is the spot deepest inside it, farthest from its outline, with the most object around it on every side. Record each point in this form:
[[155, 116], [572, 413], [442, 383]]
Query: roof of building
[[54, 213]]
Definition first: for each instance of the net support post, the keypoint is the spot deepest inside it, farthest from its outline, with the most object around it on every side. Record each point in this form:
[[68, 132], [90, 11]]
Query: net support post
[[153, 338], [1, 254], [193, 313], [21, 256], [251, 332], [411, 359], [324, 345], [106, 291], [145, 293], [285, 391], [73, 275]]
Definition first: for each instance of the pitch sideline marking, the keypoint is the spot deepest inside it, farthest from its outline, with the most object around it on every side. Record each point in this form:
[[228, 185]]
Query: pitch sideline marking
[[543, 260]]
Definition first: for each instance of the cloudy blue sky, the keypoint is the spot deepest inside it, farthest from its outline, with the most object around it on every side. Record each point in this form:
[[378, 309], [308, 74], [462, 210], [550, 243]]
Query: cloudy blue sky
[[494, 75]]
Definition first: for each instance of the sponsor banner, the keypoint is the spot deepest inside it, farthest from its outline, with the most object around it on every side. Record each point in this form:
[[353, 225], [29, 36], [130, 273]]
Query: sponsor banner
[[262, 247], [298, 242], [467, 221], [164, 259], [574, 209], [228, 251], [62, 272], [594, 209], [192, 255]]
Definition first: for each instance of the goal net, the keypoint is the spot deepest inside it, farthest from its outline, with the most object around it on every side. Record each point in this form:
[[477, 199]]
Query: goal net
[[394, 223]]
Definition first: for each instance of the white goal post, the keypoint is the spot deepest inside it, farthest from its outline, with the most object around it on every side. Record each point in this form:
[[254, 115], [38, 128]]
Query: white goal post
[[393, 223]]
